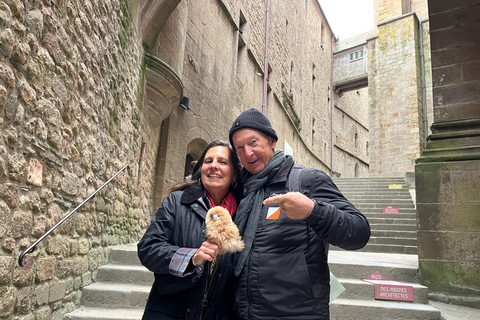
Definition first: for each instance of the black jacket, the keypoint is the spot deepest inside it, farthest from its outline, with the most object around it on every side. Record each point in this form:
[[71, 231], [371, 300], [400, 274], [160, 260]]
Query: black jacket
[[180, 222], [286, 275]]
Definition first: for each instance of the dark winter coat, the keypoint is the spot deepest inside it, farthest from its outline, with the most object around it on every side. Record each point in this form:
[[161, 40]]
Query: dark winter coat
[[180, 223], [286, 275]]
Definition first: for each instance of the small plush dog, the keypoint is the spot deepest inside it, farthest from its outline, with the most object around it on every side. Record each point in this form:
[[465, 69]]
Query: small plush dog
[[219, 225]]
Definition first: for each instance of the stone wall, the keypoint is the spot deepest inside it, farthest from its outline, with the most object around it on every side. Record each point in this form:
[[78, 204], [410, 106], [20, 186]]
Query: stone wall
[[396, 106], [389, 9], [77, 103], [223, 76], [351, 144], [70, 119], [447, 173]]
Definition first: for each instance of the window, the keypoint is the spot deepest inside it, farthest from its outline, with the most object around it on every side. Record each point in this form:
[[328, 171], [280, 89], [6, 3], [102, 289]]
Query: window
[[241, 48], [313, 131], [313, 75], [356, 55], [322, 30]]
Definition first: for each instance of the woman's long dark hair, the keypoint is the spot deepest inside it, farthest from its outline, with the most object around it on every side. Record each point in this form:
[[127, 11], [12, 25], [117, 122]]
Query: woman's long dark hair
[[197, 170]]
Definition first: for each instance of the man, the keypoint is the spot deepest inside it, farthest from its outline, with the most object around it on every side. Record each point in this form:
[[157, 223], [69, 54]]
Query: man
[[282, 273]]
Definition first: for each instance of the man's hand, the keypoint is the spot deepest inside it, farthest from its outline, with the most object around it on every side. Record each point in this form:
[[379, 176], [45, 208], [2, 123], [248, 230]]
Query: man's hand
[[294, 204], [207, 251]]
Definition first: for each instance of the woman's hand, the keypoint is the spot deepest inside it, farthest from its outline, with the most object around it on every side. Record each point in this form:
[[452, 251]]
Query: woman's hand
[[207, 251]]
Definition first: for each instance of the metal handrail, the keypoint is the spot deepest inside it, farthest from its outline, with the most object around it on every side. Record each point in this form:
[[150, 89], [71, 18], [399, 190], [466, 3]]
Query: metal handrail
[[32, 247]]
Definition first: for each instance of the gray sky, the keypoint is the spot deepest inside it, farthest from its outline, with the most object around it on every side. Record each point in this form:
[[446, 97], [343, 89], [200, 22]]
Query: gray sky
[[348, 18]]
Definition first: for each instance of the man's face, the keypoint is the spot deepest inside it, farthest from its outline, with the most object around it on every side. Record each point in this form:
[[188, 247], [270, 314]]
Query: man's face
[[254, 149]]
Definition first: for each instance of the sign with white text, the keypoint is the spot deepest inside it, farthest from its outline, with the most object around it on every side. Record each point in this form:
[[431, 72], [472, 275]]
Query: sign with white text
[[386, 289], [393, 292]]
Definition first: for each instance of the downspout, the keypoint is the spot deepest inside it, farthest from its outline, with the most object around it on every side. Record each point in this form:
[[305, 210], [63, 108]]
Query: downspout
[[331, 109], [424, 89], [265, 61]]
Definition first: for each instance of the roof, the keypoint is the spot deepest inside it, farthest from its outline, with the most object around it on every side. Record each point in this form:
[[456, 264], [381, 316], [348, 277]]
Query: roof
[[354, 41]]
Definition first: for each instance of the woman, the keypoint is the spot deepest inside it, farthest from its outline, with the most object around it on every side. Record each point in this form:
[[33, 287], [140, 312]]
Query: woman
[[191, 282]]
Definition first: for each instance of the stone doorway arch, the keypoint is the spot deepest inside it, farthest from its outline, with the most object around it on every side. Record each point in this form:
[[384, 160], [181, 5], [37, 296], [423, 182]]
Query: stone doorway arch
[[194, 150]]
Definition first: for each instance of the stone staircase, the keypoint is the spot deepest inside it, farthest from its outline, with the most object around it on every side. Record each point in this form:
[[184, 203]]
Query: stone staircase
[[391, 251], [123, 285], [121, 289], [391, 232], [358, 299]]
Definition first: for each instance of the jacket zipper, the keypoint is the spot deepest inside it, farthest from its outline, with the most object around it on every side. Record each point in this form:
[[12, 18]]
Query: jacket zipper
[[249, 309], [213, 269]]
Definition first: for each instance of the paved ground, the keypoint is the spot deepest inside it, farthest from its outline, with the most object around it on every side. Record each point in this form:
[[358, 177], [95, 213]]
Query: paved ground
[[454, 312]]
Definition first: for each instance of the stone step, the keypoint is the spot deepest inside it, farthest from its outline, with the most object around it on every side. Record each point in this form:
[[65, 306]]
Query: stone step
[[405, 203], [380, 214], [124, 254], [400, 179], [362, 290], [390, 248], [386, 248], [390, 220], [393, 227], [351, 195], [343, 309], [359, 265], [380, 205], [115, 295], [367, 182], [372, 185], [394, 233], [393, 240], [90, 313], [125, 274]]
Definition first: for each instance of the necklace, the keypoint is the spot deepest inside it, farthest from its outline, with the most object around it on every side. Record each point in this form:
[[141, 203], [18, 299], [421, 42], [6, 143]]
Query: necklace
[[212, 270]]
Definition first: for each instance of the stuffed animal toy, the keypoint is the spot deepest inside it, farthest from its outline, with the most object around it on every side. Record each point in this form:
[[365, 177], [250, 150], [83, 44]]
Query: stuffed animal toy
[[219, 225]]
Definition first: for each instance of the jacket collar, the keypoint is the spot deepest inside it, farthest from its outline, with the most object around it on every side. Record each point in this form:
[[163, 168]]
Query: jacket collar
[[191, 194]]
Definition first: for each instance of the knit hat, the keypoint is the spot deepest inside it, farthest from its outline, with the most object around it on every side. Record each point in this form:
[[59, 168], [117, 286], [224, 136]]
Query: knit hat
[[252, 119]]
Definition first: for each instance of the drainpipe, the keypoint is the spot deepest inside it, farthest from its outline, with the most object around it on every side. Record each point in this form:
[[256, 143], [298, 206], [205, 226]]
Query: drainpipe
[[331, 109], [265, 61], [424, 89]]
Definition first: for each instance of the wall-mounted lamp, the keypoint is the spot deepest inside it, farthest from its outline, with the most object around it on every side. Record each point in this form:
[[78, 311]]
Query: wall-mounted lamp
[[185, 103], [322, 47], [358, 92]]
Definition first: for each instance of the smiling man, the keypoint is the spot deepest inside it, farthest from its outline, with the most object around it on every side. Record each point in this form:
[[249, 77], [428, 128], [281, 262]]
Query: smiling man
[[282, 273]]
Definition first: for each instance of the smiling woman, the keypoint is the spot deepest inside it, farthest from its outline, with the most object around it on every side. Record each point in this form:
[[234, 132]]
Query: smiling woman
[[191, 282], [217, 173]]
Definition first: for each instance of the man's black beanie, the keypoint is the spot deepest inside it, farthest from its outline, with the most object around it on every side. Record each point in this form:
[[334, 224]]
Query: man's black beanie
[[252, 119]]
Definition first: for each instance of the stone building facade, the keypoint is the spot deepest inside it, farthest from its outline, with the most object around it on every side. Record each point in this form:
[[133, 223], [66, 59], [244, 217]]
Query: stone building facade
[[399, 84], [89, 87], [351, 121], [447, 174]]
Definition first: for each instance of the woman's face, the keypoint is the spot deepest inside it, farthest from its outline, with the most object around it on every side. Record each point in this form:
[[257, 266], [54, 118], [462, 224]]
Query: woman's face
[[217, 171]]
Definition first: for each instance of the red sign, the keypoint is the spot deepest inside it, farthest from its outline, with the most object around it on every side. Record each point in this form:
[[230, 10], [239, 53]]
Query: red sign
[[389, 209], [393, 292], [386, 289]]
